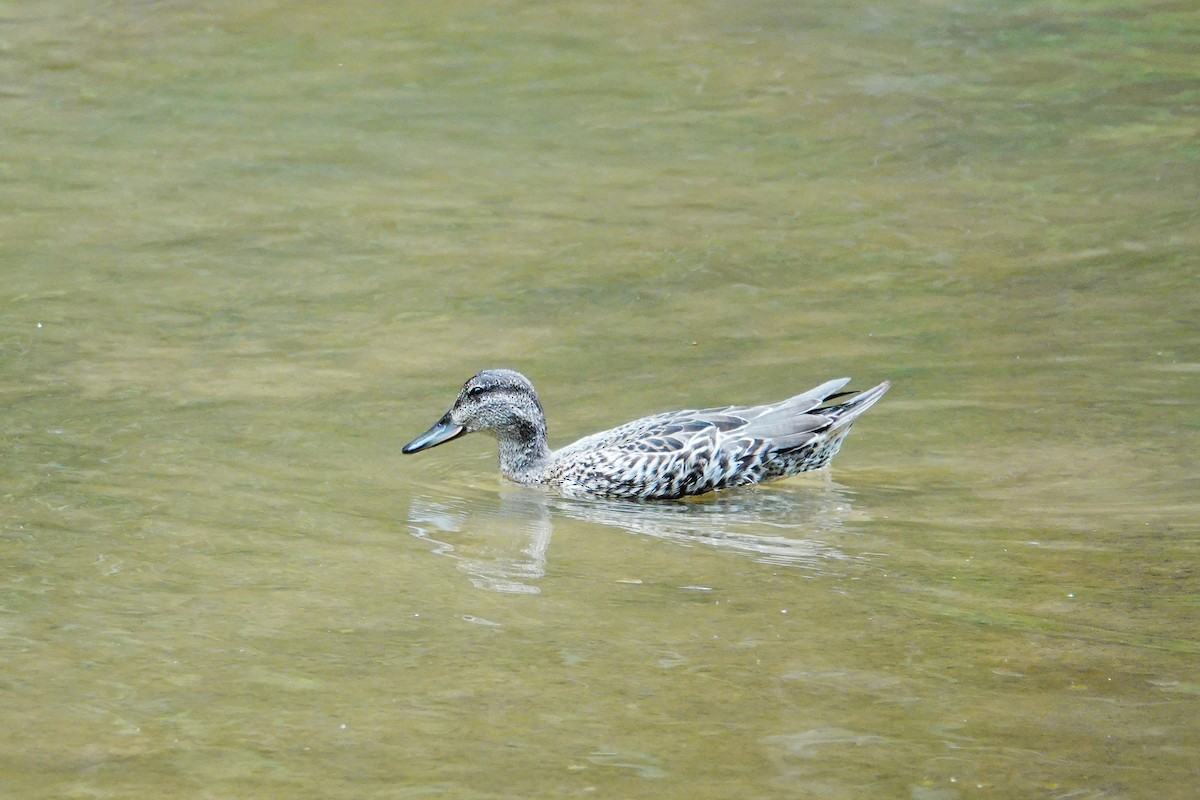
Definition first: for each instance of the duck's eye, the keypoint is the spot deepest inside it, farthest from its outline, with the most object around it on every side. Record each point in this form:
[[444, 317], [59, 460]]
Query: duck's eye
[[475, 391]]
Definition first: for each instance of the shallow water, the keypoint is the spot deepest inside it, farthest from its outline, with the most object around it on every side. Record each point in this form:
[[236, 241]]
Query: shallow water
[[249, 250]]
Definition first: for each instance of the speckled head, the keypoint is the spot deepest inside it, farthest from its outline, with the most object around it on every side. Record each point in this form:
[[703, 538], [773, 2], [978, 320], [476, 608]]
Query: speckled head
[[501, 402]]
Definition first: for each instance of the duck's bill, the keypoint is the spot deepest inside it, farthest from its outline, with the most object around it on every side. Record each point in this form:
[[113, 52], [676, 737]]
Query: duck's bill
[[442, 431]]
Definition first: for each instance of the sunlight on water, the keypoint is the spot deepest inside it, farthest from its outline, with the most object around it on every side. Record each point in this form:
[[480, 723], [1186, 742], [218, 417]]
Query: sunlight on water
[[250, 249]]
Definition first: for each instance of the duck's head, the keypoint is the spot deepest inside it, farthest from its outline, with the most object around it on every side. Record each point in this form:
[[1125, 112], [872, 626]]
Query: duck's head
[[496, 401]]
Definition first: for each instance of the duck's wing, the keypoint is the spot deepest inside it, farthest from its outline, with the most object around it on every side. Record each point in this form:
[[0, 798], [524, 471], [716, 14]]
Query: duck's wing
[[675, 430], [699, 450]]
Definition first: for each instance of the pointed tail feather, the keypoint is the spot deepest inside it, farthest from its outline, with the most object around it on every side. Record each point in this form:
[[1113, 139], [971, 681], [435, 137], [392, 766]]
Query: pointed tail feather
[[845, 414], [787, 430]]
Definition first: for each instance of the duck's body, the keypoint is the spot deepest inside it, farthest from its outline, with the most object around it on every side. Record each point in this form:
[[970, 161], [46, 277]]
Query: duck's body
[[669, 455]]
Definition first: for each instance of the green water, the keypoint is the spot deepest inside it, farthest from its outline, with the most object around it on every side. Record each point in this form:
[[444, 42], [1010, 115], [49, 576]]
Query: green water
[[250, 249]]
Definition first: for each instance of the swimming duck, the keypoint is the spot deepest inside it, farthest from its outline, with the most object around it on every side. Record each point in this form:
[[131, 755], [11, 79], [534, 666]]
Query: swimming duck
[[664, 456]]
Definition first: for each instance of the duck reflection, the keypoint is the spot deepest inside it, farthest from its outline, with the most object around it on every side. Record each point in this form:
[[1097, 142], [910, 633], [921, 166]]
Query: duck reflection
[[500, 542], [501, 546]]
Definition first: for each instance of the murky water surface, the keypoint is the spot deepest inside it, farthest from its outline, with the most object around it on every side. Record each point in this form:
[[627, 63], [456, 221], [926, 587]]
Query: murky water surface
[[250, 249]]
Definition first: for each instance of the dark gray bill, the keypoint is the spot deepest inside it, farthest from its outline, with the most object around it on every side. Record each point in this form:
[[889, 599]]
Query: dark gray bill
[[442, 431]]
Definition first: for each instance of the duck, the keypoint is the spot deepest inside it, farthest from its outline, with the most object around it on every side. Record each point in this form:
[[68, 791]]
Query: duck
[[660, 457]]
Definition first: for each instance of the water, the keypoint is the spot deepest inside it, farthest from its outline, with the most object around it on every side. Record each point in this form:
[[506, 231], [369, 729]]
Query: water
[[250, 250]]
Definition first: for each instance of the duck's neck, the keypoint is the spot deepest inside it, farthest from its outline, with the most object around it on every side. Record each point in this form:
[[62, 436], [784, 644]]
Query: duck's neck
[[524, 452]]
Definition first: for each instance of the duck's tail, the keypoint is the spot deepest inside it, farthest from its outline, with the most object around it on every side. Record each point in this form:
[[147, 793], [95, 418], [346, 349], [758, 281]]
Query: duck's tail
[[842, 415], [829, 425], [810, 421]]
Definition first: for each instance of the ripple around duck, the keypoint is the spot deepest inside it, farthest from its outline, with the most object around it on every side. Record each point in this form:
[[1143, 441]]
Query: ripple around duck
[[501, 546], [787, 527], [501, 540], [450, 478]]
